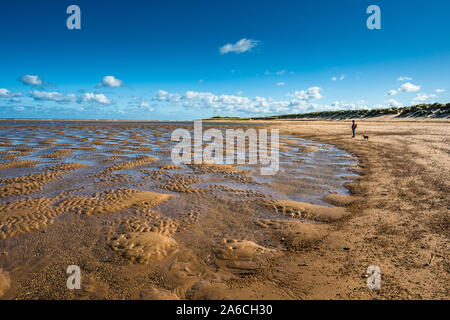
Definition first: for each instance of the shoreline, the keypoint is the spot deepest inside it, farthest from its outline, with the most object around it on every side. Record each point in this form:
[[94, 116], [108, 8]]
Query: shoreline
[[243, 121], [398, 221], [384, 228]]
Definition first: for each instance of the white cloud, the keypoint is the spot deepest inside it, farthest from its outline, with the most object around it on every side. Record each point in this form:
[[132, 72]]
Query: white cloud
[[406, 87], [404, 78], [342, 105], [342, 77], [241, 46], [31, 80], [421, 97], [162, 96], [110, 82], [279, 73], [409, 87], [146, 105], [308, 95], [391, 93], [392, 103], [281, 83], [140, 104], [439, 90], [235, 103], [61, 97], [94, 97], [240, 92], [52, 96], [5, 93]]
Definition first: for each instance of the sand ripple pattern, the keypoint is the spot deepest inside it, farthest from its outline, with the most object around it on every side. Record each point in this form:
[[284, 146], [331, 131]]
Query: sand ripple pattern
[[148, 237], [23, 216], [112, 201]]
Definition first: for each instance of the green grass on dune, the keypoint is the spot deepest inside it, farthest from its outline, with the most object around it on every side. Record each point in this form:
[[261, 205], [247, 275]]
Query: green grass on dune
[[435, 110]]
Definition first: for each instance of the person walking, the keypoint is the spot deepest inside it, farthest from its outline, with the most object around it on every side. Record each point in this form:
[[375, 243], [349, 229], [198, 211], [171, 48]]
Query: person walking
[[354, 125]]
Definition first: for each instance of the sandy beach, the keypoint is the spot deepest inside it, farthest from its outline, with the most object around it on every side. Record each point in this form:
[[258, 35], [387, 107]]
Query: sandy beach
[[106, 197], [400, 213]]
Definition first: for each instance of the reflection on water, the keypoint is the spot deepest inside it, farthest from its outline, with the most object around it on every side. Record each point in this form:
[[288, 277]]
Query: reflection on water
[[96, 194], [308, 170]]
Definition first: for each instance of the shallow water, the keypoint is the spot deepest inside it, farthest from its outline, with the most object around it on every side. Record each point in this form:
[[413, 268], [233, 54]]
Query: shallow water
[[207, 204]]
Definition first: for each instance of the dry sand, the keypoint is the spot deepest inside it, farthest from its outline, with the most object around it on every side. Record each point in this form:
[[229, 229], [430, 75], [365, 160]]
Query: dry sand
[[105, 197], [399, 214]]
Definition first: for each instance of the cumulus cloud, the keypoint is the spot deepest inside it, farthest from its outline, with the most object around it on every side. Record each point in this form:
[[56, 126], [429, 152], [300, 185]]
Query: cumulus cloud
[[110, 82], [392, 103], [404, 78], [52, 96], [162, 96], [406, 87], [421, 97], [235, 103], [241, 46], [31, 80], [439, 90], [391, 93], [307, 95], [94, 97], [5, 93], [146, 106], [61, 97], [343, 105], [140, 104]]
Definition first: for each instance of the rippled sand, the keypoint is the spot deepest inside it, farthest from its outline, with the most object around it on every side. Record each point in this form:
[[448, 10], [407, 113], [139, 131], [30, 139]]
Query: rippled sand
[[106, 197]]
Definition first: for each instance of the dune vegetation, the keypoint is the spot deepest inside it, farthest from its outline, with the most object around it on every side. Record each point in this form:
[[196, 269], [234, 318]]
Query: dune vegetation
[[435, 110]]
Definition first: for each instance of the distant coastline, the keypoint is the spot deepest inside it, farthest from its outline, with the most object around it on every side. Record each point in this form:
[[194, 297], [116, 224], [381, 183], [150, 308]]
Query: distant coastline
[[435, 111]]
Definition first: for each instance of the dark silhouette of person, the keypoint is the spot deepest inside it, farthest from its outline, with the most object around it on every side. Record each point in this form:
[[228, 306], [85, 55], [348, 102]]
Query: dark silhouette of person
[[354, 125]]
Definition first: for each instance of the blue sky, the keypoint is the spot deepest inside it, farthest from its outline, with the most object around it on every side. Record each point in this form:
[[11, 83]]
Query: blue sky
[[176, 60]]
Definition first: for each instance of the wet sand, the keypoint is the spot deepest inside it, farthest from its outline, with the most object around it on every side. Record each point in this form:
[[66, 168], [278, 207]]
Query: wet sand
[[399, 213], [106, 197]]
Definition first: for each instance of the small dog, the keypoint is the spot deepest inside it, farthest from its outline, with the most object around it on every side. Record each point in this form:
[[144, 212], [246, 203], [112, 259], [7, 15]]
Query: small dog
[[366, 137]]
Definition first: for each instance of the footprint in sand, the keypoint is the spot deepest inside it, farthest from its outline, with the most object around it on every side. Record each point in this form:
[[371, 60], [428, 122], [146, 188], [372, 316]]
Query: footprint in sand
[[208, 290], [144, 247], [296, 209], [5, 282], [241, 255], [293, 234], [152, 293]]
